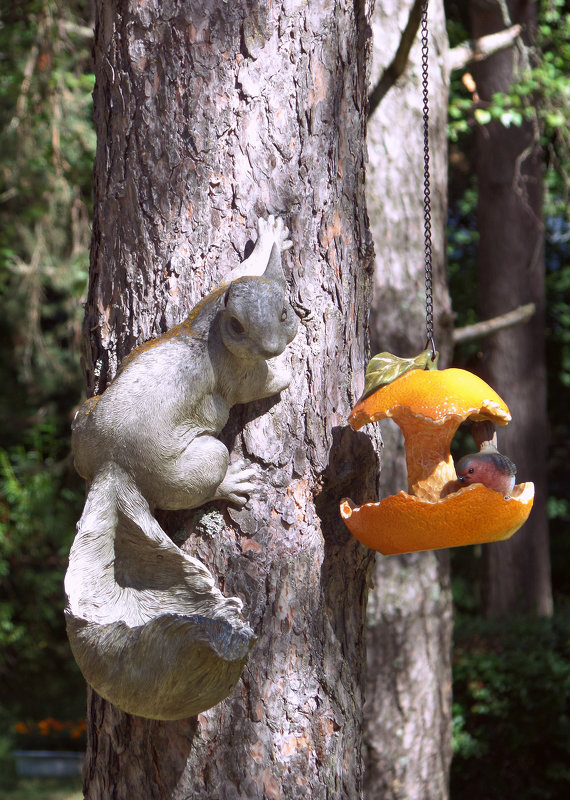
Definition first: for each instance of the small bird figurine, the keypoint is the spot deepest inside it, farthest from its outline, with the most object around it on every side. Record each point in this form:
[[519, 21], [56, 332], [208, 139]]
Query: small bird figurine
[[488, 466]]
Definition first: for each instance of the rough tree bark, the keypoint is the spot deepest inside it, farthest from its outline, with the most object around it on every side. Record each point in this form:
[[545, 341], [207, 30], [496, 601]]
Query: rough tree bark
[[208, 115], [511, 273], [408, 689]]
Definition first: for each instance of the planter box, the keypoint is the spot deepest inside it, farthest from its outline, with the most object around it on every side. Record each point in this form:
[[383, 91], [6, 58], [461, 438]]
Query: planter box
[[47, 763]]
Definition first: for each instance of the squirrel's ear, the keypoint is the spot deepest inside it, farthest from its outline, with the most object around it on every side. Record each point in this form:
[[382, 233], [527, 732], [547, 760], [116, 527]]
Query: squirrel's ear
[[274, 270]]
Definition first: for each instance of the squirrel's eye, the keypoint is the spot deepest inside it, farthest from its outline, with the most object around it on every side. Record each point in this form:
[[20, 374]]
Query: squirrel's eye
[[284, 314], [236, 326], [470, 470]]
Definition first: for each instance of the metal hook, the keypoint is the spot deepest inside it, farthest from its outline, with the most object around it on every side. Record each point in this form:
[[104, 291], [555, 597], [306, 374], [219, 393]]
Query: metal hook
[[431, 343]]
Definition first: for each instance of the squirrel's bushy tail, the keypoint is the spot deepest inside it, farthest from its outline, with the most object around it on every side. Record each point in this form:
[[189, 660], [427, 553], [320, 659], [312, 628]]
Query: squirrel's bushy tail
[[147, 626]]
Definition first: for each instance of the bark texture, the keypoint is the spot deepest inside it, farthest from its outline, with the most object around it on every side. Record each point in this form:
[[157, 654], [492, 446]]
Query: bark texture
[[511, 273], [210, 114], [408, 690]]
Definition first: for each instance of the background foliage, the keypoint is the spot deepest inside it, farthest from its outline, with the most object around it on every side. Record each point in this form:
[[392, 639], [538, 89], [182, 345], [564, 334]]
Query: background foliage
[[47, 146], [512, 709], [512, 678], [512, 681]]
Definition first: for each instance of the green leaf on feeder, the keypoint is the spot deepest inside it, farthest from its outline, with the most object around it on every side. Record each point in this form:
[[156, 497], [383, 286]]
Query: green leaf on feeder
[[384, 368]]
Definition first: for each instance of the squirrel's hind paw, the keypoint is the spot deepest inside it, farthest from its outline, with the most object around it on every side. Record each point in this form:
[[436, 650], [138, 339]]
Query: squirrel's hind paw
[[238, 484]]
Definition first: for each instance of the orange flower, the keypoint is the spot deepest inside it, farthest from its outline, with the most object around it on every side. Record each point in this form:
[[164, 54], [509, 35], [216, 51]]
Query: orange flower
[[78, 729], [21, 727]]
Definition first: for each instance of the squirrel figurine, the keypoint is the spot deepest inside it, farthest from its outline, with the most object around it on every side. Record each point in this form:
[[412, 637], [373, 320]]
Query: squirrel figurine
[[147, 626]]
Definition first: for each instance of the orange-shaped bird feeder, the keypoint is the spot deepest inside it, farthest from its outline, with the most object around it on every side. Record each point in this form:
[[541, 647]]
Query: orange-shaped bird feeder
[[429, 405]]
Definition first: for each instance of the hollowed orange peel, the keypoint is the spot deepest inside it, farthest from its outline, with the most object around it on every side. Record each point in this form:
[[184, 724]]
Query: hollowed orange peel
[[429, 406]]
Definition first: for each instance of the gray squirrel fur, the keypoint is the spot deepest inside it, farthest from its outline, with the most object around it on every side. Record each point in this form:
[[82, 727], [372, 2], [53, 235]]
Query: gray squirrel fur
[[147, 625]]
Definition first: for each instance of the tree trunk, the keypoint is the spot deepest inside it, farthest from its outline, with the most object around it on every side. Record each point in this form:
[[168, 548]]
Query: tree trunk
[[511, 273], [208, 116], [408, 689]]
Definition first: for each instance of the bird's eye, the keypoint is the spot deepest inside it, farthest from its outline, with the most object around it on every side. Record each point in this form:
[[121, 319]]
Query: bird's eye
[[284, 314], [236, 326]]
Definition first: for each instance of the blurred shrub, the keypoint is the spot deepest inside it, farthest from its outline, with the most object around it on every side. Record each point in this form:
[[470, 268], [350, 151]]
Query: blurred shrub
[[47, 144], [39, 505], [512, 710]]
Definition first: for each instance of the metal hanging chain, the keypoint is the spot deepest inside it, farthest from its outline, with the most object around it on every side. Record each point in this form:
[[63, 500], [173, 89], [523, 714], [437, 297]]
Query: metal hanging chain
[[427, 198]]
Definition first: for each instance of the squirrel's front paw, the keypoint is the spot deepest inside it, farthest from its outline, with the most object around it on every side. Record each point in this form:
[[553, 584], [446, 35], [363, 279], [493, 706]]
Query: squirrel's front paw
[[238, 484], [276, 228]]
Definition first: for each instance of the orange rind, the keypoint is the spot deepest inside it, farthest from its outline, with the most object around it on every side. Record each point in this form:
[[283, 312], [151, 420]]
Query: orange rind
[[429, 406], [404, 524]]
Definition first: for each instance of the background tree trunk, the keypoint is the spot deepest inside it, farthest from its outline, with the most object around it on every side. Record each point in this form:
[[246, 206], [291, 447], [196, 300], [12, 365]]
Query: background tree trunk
[[209, 115], [408, 689], [511, 273]]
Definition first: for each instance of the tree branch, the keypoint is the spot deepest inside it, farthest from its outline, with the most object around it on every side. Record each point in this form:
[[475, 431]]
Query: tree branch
[[489, 326], [398, 65], [79, 30], [27, 80], [479, 49]]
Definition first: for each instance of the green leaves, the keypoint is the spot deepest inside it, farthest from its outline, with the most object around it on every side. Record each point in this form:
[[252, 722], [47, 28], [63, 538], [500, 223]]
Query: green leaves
[[47, 144], [40, 501], [540, 91], [384, 368], [511, 690], [483, 116]]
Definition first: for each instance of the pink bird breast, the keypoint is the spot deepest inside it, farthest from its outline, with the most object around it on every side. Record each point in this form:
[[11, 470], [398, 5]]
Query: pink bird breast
[[492, 469]]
